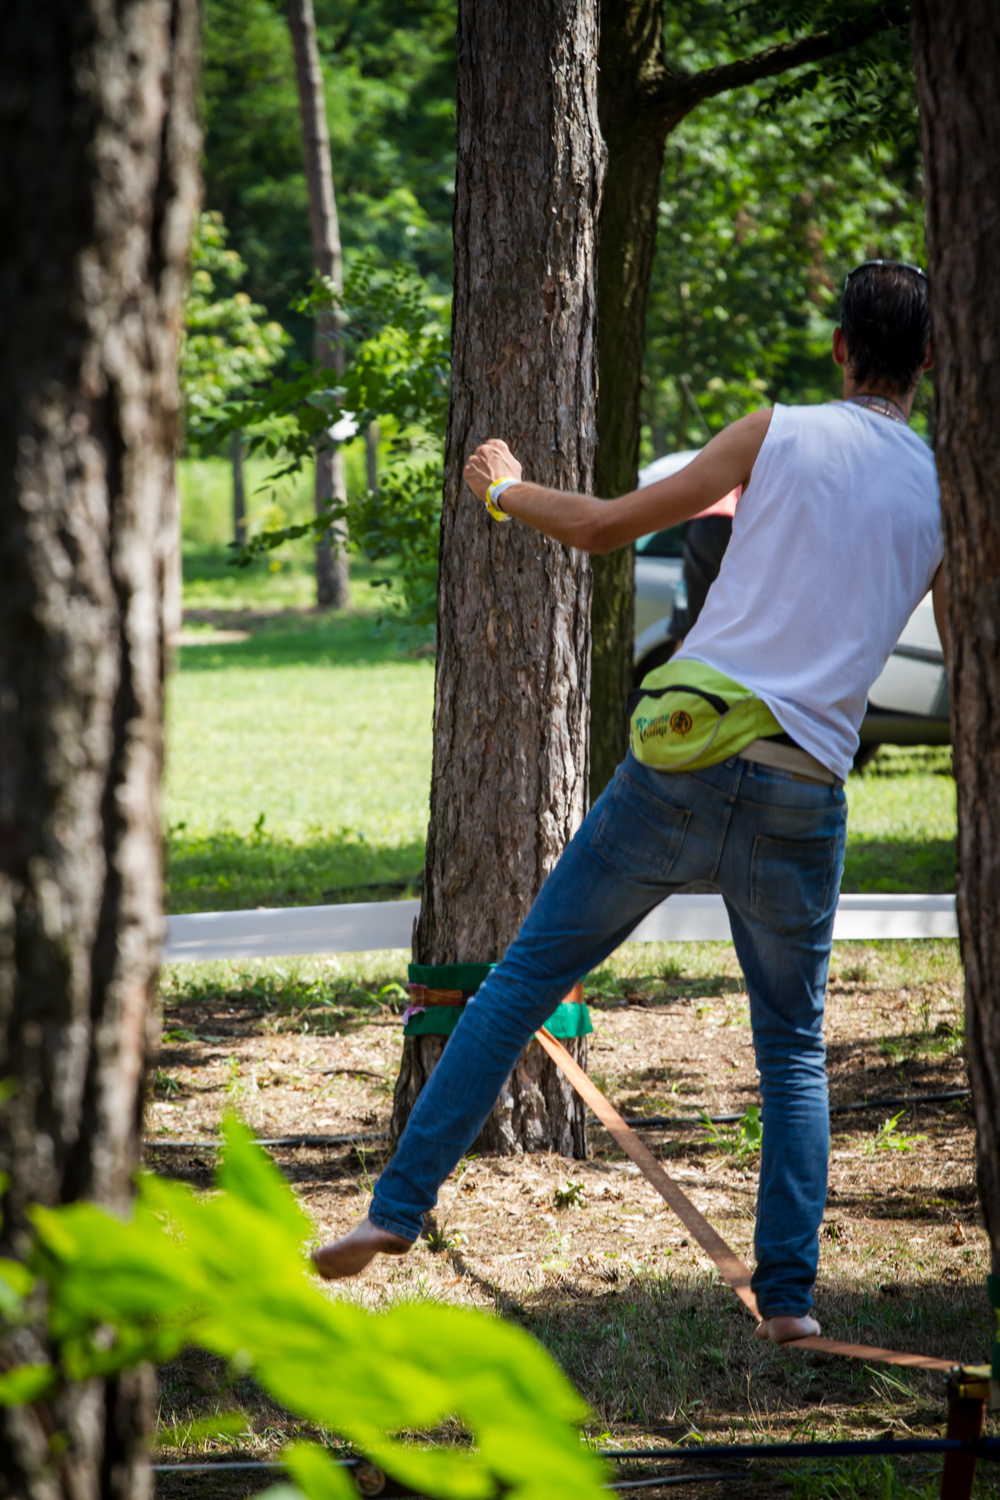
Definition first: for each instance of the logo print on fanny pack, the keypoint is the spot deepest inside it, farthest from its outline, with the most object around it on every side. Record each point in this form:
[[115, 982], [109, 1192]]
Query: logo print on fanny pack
[[680, 722]]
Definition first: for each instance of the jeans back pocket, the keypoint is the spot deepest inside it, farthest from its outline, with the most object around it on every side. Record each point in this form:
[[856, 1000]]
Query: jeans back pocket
[[790, 881], [638, 835]]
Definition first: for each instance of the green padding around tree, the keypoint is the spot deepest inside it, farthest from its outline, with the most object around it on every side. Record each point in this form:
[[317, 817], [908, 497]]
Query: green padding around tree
[[466, 977], [567, 1020]]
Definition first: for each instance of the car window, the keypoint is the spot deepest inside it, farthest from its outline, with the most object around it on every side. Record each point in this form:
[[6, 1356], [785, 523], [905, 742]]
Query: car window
[[669, 543]]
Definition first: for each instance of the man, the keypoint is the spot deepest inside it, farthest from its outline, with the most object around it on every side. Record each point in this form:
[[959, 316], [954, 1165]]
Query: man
[[836, 538]]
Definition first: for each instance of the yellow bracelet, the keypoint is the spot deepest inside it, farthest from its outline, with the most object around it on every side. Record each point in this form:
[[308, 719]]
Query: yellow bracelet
[[496, 511]]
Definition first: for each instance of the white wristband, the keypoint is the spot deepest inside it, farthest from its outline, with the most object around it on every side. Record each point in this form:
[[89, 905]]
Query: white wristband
[[495, 490]]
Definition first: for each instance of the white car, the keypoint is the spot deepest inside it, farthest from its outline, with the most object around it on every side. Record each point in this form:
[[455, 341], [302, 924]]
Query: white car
[[908, 703]]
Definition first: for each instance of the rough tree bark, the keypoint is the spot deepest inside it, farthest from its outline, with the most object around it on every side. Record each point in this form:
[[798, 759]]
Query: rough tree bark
[[332, 578], [98, 189], [642, 99], [510, 721], [957, 58]]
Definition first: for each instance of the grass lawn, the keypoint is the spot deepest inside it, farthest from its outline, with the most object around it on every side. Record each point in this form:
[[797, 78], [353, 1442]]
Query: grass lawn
[[299, 742], [901, 828]]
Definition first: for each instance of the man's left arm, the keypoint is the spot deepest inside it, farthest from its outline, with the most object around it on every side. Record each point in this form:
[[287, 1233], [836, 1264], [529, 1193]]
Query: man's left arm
[[602, 525]]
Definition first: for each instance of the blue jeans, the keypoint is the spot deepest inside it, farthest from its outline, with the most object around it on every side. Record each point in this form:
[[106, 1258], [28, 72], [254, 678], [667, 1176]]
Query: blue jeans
[[774, 847]]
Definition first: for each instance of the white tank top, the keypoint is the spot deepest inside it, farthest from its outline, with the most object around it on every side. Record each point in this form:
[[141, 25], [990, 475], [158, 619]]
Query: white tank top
[[836, 539]]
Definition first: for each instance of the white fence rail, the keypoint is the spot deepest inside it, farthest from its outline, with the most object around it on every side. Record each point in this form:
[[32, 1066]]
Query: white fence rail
[[371, 926]]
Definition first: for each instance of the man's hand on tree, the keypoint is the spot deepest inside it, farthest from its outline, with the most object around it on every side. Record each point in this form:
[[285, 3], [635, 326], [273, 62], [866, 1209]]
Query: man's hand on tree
[[491, 461]]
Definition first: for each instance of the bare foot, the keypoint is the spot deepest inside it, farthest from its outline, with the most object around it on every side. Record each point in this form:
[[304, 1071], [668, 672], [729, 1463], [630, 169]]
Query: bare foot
[[782, 1329], [350, 1254]]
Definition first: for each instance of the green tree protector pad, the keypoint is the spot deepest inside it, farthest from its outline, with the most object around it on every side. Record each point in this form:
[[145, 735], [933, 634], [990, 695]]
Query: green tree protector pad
[[567, 1020]]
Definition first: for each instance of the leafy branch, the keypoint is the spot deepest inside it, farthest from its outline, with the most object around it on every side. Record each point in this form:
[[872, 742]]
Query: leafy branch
[[226, 1271]]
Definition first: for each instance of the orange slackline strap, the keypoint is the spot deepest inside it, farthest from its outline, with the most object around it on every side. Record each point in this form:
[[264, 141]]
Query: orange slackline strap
[[731, 1268], [421, 994]]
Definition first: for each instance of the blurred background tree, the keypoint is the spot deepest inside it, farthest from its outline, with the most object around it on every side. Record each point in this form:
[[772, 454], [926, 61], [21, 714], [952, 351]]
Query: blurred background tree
[[769, 195], [227, 348], [389, 72]]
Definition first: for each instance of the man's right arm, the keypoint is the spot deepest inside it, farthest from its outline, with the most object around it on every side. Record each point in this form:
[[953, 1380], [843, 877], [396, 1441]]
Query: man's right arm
[[725, 462]]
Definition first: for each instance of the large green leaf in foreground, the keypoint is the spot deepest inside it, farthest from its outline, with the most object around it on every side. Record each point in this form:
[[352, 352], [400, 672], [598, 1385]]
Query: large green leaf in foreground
[[227, 1271]]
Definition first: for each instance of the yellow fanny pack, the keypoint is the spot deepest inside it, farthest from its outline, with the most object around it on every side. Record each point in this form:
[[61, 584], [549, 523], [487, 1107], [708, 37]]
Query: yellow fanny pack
[[687, 715]]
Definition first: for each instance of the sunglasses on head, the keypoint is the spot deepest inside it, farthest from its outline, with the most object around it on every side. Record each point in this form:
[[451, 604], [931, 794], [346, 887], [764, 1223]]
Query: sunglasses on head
[[900, 265]]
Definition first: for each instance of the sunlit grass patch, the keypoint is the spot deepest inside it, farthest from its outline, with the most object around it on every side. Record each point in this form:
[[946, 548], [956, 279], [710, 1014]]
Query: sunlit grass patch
[[224, 870], [902, 822], [298, 766]]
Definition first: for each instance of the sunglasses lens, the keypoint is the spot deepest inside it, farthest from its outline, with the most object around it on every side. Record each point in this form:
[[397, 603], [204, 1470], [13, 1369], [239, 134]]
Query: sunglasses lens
[[900, 265]]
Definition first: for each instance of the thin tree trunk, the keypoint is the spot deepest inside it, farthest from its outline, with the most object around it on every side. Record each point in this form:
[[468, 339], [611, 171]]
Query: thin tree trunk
[[957, 59], [239, 493], [372, 437], [332, 580], [98, 189], [642, 99], [635, 132], [509, 781]]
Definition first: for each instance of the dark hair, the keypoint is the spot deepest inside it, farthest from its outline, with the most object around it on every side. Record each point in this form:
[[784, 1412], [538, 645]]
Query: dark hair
[[887, 324]]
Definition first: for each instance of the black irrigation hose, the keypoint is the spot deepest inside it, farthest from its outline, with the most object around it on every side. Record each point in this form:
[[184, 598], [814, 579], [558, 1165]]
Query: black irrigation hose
[[663, 1481], [672, 1122], [648, 1122], [278, 1140], [208, 1468], [985, 1448], [980, 1448]]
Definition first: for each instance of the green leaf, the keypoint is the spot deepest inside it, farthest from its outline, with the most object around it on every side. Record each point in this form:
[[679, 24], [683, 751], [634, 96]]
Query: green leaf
[[249, 1174], [17, 1276], [25, 1384], [316, 1474]]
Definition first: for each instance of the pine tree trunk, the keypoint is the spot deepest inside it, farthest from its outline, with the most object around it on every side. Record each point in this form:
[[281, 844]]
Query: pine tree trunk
[[509, 781], [98, 189], [332, 578], [957, 59], [239, 492], [630, 58]]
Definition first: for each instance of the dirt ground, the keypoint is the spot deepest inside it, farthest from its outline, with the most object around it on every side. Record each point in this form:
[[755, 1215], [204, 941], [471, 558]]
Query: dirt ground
[[584, 1254]]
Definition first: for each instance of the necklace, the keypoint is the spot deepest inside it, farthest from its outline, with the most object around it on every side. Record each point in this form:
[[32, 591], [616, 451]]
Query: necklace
[[883, 406]]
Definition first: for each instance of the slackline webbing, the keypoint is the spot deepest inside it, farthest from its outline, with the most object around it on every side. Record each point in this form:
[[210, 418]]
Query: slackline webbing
[[730, 1267]]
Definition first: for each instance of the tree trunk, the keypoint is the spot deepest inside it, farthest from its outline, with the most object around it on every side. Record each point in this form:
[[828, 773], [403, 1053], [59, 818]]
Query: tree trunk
[[332, 581], [509, 781], [372, 438], [98, 189], [239, 493], [957, 58], [635, 132]]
